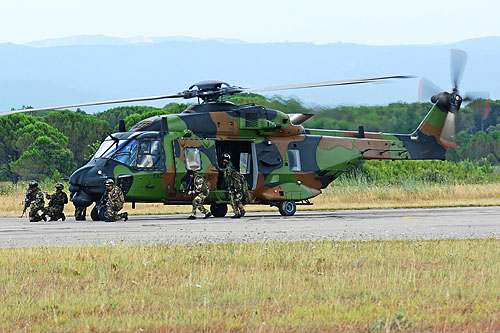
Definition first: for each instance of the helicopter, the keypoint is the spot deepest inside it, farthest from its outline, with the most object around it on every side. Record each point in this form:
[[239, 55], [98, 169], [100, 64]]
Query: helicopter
[[285, 164]]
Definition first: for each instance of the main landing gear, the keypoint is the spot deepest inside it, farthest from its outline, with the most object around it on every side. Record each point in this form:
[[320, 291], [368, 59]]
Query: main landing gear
[[287, 208]]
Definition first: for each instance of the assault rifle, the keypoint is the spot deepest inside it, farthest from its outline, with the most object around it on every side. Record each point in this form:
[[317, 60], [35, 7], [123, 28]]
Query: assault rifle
[[189, 186], [26, 202]]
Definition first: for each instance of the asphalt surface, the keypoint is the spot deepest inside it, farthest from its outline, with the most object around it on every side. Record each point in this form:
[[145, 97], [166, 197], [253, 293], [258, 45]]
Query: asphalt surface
[[383, 224]]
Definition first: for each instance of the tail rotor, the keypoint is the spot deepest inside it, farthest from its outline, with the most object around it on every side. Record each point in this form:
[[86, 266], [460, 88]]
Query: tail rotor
[[450, 102]]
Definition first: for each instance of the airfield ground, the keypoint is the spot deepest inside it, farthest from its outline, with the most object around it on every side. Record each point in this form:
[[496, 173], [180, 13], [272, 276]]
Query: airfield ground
[[266, 284], [407, 285], [433, 269]]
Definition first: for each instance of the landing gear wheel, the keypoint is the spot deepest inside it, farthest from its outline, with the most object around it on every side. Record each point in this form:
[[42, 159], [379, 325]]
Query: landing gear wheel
[[94, 214], [287, 208], [218, 210], [103, 214]]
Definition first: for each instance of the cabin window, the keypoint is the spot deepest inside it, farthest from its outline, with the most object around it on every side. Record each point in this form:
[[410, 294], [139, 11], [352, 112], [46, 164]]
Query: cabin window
[[244, 163], [193, 158], [149, 155], [294, 160]]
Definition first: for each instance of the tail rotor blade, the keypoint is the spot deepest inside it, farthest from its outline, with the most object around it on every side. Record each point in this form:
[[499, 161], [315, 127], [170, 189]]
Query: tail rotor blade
[[471, 96], [458, 61], [426, 90], [448, 132]]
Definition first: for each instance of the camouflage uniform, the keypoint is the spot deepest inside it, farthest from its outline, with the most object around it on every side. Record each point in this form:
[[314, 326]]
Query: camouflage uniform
[[115, 199], [36, 202], [80, 213], [201, 191], [235, 185], [56, 205]]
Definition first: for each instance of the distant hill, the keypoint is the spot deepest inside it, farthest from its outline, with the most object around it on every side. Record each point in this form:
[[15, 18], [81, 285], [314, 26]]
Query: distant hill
[[90, 68]]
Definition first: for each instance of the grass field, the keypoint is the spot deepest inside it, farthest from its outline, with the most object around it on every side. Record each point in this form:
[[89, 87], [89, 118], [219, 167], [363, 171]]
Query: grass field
[[445, 285], [339, 196]]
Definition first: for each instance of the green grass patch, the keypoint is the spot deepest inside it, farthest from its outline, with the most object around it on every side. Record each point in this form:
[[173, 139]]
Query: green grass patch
[[271, 286]]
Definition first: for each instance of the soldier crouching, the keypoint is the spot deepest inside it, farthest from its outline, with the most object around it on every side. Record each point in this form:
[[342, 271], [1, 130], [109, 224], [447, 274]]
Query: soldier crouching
[[114, 200], [199, 187], [34, 198], [55, 210]]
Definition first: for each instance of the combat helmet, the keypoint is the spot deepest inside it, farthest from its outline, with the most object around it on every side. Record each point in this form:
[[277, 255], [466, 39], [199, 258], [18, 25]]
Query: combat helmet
[[59, 186], [109, 182], [226, 156], [33, 184]]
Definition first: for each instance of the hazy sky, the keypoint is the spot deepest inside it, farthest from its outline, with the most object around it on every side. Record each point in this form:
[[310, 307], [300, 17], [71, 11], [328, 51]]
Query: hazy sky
[[373, 22]]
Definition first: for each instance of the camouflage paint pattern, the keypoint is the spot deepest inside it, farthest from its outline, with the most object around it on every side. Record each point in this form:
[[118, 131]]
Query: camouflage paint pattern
[[273, 144]]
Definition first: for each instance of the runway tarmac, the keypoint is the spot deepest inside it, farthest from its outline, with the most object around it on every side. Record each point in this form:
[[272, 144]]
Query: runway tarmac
[[380, 224]]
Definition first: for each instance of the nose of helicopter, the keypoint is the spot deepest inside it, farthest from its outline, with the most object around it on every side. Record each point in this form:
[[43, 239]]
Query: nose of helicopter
[[87, 183]]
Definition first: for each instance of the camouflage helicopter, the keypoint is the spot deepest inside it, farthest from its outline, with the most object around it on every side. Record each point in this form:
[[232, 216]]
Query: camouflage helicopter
[[284, 163]]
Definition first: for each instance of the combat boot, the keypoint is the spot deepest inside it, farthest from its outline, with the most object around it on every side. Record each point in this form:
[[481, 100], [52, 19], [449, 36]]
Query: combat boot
[[191, 217], [63, 217], [207, 215], [242, 212], [236, 216], [125, 217], [44, 218]]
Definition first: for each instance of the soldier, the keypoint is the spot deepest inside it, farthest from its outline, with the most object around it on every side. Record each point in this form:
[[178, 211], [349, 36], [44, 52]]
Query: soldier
[[114, 200], [56, 203], [80, 212], [235, 185], [200, 189], [34, 198]]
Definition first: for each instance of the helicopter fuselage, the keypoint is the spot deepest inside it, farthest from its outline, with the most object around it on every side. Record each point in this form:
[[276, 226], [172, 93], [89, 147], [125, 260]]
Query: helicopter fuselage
[[281, 160]]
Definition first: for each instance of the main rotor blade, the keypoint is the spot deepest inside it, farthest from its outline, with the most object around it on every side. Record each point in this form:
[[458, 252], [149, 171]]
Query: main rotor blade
[[94, 103], [458, 61], [448, 132], [426, 90], [327, 83]]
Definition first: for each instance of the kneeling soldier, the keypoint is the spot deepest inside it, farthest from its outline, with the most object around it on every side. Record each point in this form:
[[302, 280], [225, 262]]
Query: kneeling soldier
[[34, 198], [200, 189], [56, 203], [114, 200]]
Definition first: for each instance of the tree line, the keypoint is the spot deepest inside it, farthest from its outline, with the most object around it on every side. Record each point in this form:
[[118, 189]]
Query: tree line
[[52, 144]]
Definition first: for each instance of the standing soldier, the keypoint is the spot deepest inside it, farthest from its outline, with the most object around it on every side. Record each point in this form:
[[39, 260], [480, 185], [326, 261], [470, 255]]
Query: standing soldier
[[55, 210], [34, 198], [114, 200], [235, 184], [200, 189], [80, 213]]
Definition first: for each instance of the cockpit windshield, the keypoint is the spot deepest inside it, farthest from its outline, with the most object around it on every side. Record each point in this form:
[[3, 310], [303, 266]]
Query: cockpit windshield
[[124, 151], [140, 152]]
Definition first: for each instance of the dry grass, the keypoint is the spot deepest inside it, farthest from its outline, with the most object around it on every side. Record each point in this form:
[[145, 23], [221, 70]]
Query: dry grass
[[426, 195], [445, 285], [334, 197]]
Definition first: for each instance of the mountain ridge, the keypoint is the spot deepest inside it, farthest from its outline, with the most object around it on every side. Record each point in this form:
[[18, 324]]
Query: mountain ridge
[[66, 74]]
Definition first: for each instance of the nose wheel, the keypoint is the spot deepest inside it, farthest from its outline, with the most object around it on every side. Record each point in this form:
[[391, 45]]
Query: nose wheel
[[99, 213], [287, 208], [218, 210]]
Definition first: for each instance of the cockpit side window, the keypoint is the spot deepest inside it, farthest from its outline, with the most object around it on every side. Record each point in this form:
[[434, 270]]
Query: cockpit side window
[[149, 155]]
